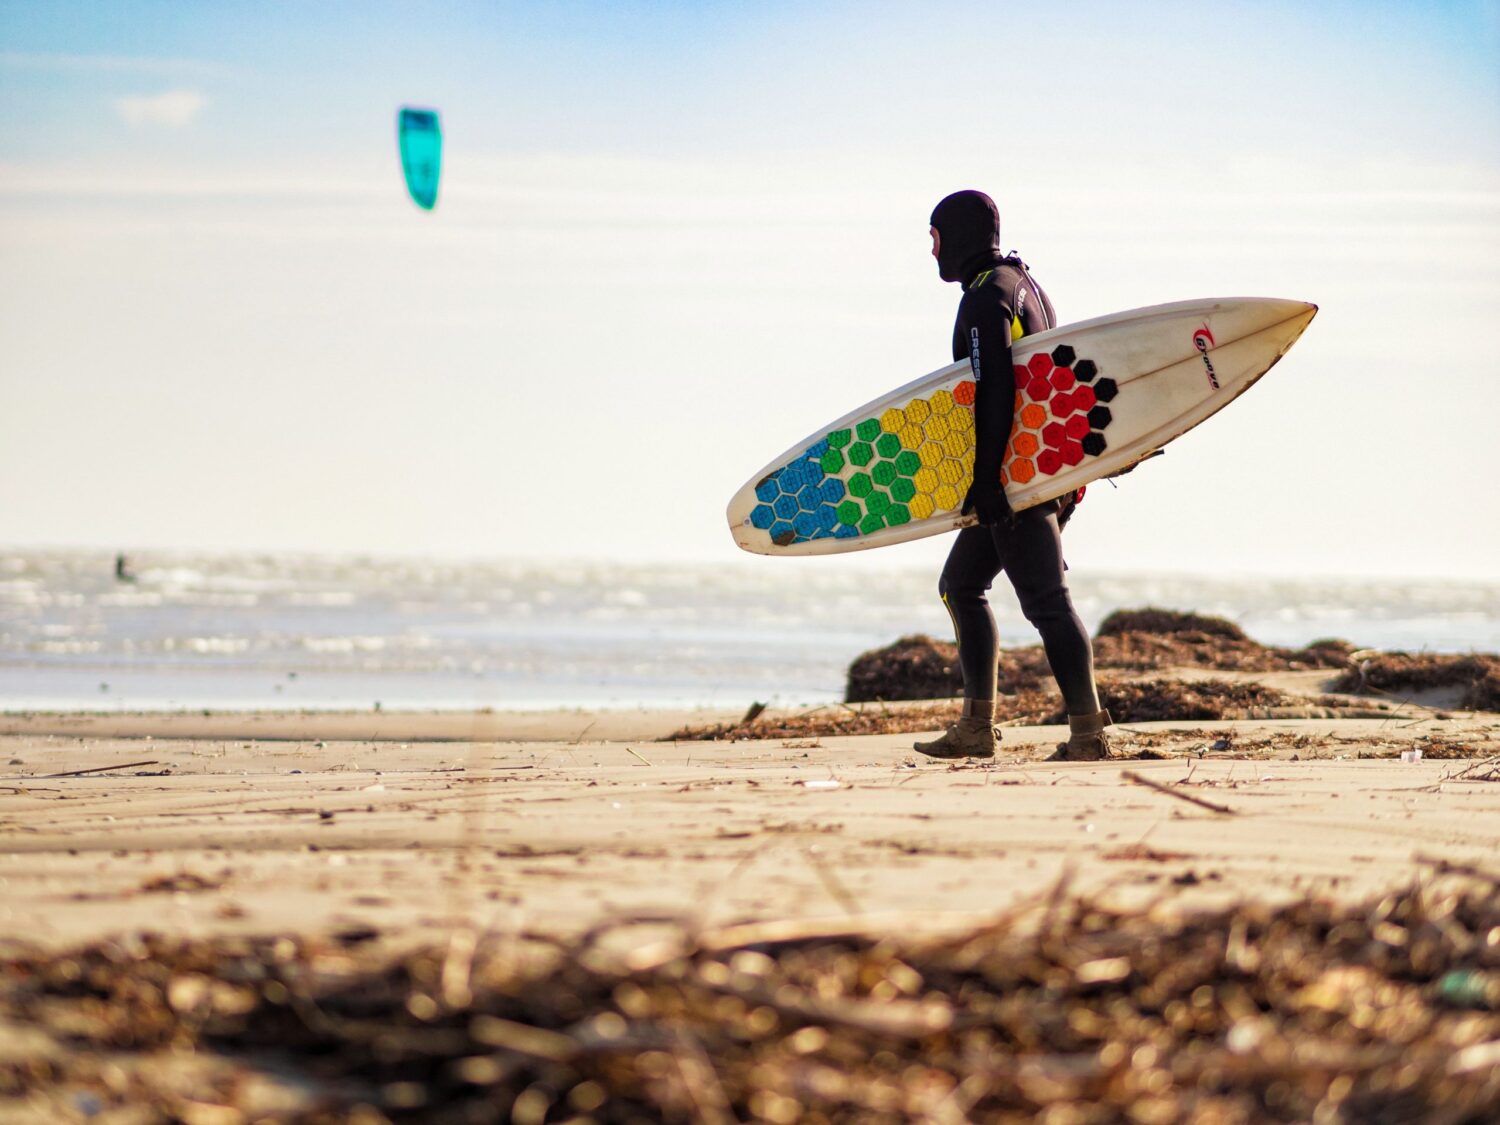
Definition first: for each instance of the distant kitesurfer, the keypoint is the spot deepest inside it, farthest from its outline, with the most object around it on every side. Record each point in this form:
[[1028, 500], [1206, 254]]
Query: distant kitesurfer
[[122, 569], [1002, 302]]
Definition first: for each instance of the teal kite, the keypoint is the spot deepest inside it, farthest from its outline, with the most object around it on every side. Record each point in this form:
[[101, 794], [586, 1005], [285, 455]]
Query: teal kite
[[421, 140]]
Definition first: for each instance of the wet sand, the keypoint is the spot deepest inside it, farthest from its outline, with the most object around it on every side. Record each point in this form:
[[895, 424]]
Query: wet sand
[[401, 827]]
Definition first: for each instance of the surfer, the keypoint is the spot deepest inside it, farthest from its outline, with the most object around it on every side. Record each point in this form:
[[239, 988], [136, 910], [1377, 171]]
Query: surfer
[[1002, 302]]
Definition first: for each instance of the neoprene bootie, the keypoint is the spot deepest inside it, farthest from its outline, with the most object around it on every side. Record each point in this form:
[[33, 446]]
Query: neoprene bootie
[[1087, 740], [973, 736]]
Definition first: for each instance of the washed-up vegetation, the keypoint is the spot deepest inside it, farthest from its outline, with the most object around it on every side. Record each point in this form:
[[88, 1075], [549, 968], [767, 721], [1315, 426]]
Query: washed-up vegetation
[[1387, 1011], [1133, 640]]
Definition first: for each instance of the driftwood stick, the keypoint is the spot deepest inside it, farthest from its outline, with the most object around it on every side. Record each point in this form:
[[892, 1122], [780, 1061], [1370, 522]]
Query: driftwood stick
[[1131, 775], [96, 769], [628, 750]]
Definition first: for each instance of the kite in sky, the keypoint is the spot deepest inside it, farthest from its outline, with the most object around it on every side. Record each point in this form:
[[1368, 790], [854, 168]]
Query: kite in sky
[[421, 139]]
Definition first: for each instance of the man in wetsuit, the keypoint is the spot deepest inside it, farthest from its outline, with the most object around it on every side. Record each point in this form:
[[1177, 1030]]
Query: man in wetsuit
[[1002, 302]]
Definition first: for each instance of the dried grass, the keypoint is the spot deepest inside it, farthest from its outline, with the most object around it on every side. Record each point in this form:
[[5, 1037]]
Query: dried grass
[[1380, 1012]]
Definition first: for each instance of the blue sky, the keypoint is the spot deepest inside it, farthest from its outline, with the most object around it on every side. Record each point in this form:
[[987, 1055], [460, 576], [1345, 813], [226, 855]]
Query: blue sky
[[674, 238]]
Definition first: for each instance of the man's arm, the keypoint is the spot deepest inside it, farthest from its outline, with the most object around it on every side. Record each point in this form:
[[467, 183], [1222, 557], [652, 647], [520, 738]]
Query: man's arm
[[984, 321]]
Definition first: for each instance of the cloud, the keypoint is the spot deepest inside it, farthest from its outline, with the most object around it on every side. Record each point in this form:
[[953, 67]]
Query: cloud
[[173, 108]]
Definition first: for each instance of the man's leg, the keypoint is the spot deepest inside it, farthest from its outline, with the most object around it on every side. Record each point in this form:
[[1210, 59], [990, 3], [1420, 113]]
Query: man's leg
[[967, 575], [1031, 554], [966, 579]]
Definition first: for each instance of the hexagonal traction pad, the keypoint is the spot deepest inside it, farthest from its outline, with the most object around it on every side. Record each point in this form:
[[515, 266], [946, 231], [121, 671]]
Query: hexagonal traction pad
[[918, 459]]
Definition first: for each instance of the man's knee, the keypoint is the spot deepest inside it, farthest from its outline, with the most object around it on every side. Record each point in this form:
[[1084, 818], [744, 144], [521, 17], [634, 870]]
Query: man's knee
[[954, 591], [1046, 605]]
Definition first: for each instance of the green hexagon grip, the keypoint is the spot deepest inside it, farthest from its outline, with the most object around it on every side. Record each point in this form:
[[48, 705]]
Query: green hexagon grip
[[897, 515], [860, 485], [840, 438], [907, 463], [848, 513], [888, 444], [871, 523], [860, 453], [868, 430], [884, 472], [832, 461], [903, 490], [877, 503]]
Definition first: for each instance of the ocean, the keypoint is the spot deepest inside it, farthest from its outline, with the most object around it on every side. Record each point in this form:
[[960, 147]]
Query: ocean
[[225, 632]]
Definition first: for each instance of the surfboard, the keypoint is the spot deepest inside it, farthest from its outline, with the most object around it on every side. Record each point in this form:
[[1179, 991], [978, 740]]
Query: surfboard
[[1092, 399]]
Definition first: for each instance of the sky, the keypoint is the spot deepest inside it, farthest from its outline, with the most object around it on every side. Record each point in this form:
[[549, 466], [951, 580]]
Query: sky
[[673, 238]]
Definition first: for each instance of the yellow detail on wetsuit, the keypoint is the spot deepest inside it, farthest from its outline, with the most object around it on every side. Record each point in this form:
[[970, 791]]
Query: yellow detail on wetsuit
[[951, 617], [1016, 331]]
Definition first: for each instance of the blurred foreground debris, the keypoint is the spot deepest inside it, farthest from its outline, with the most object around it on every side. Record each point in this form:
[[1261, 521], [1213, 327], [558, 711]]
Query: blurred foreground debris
[[1386, 1011]]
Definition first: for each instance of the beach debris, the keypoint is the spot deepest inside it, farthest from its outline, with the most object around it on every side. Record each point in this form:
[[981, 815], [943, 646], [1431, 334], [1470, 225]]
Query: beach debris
[[1132, 776], [96, 769], [755, 711], [1129, 701], [1414, 755], [1144, 852], [183, 882], [1474, 678], [1064, 1009], [821, 783], [632, 753], [1137, 640]]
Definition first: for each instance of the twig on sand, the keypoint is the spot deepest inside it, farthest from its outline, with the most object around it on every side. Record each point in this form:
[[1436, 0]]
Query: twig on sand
[[628, 750], [1131, 775], [755, 712], [1472, 767], [832, 883], [97, 769]]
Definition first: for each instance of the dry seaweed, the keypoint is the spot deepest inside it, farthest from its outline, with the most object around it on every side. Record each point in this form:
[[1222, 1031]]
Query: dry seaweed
[[1387, 1011], [1153, 620], [1129, 701], [1476, 676], [919, 667], [1138, 640]]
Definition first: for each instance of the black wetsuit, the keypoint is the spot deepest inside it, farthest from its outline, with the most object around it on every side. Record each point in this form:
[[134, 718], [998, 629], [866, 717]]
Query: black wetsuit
[[1002, 302]]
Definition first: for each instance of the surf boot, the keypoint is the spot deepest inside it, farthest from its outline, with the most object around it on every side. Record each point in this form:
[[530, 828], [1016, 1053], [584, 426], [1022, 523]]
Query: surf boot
[[973, 736], [1087, 739]]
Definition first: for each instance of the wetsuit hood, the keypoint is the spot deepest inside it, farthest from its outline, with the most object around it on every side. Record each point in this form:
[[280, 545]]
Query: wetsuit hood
[[968, 226]]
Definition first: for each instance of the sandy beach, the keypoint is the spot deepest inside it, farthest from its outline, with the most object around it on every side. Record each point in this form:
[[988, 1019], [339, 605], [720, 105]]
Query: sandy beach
[[381, 836], [409, 825]]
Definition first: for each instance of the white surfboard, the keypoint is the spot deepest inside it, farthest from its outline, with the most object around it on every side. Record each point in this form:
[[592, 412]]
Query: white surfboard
[[1092, 399]]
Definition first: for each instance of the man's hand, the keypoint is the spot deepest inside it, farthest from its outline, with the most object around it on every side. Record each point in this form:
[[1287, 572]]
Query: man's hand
[[986, 499]]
